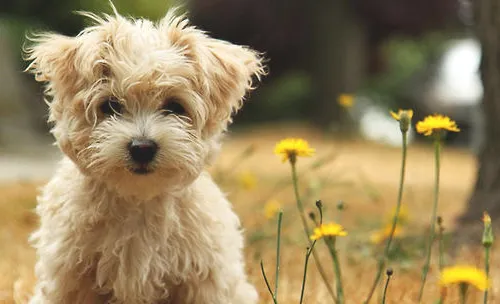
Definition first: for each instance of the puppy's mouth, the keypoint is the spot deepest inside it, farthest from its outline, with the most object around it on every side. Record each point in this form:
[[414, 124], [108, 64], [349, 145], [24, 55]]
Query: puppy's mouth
[[141, 170]]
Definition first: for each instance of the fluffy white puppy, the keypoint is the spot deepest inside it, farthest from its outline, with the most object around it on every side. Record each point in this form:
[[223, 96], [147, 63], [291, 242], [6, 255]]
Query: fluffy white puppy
[[131, 216]]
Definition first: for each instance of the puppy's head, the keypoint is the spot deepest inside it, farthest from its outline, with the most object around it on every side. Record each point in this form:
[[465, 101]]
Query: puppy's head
[[141, 105]]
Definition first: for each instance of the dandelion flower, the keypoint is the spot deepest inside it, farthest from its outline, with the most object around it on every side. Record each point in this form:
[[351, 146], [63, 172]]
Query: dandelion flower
[[330, 229], [271, 208], [381, 235], [464, 275], [290, 148], [435, 123], [247, 180], [346, 100]]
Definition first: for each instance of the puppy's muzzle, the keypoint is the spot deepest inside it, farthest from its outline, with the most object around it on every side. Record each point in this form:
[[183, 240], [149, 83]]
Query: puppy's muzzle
[[142, 151]]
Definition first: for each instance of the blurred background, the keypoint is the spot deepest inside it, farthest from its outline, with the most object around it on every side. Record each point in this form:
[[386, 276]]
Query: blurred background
[[335, 64], [336, 68]]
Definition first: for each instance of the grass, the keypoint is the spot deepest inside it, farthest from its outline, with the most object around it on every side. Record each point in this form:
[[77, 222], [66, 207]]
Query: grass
[[364, 175]]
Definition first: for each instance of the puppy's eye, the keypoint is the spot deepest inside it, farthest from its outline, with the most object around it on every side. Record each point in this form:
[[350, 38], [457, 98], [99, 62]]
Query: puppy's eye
[[111, 106], [173, 106]]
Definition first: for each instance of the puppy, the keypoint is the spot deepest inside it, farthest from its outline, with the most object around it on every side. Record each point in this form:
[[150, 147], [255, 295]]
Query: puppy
[[131, 216]]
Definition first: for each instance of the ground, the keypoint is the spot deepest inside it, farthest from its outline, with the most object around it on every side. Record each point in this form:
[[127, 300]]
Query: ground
[[363, 175]]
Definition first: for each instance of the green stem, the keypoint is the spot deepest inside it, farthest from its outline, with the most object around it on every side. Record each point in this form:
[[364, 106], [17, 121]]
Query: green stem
[[278, 246], [463, 292], [282, 184], [486, 270], [267, 282], [425, 268], [385, 289], [299, 202], [330, 242], [308, 232], [304, 276], [381, 262], [441, 248]]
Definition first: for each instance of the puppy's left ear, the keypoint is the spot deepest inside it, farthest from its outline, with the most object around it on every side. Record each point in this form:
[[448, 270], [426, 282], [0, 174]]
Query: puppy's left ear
[[226, 72], [229, 73]]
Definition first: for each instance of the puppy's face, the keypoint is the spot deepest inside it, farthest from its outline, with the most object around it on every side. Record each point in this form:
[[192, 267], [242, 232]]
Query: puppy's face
[[138, 105]]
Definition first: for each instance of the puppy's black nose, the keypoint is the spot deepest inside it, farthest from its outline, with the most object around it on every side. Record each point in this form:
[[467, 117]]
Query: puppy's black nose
[[142, 151]]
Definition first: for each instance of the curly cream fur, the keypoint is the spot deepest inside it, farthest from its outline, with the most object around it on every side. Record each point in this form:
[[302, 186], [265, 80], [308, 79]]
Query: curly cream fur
[[108, 235]]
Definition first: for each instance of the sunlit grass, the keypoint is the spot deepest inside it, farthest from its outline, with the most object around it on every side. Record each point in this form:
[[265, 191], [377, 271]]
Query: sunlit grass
[[369, 203]]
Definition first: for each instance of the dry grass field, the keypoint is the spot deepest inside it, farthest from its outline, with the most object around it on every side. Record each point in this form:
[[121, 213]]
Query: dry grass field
[[364, 175]]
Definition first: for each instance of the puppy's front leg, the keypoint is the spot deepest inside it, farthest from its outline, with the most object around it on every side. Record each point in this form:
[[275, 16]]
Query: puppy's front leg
[[52, 292], [62, 286]]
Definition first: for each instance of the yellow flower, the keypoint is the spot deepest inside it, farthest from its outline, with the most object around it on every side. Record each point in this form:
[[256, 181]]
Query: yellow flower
[[247, 180], [435, 123], [330, 229], [403, 217], [401, 114], [464, 274], [381, 235], [290, 148], [486, 218], [346, 100], [271, 208]]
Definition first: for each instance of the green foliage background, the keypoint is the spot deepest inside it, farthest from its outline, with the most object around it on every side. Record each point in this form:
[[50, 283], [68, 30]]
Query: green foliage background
[[284, 96]]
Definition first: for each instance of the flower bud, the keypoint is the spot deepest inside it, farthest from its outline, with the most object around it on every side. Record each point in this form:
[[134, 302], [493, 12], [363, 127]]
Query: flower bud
[[488, 230], [404, 117]]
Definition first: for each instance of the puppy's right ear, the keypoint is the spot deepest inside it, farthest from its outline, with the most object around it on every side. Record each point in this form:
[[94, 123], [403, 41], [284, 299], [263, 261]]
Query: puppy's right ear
[[52, 59]]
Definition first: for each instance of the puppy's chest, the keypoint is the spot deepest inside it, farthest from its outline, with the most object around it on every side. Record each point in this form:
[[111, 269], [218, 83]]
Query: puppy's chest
[[165, 250]]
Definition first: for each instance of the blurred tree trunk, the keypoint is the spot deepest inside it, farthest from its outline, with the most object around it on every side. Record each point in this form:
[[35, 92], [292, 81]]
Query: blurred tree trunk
[[486, 195], [338, 61]]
